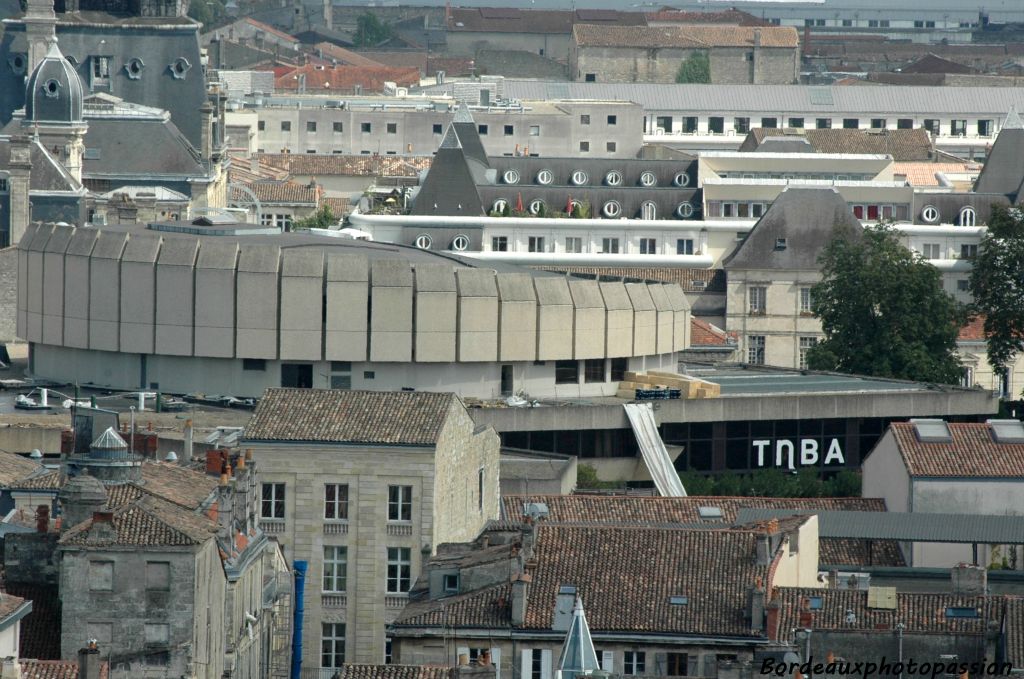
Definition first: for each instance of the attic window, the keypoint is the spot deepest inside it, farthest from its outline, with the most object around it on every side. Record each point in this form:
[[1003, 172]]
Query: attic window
[[930, 214], [815, 603], [17, 63], [678, 600], [545, 177], [579, 178], [1006, 431], [51, 88], [567, 589], [511, 176], [931, 431], [613, 178], [709, 513], [180, 67], [780, 243], [134, 68], [423, 241], [961, 612], [648, 179], [460, 242], [681, 179], [684, 210], [451, 583]]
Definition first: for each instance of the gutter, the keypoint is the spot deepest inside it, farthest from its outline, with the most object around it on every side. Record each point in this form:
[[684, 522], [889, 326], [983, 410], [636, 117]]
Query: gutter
[[594, 259], [553, 635]]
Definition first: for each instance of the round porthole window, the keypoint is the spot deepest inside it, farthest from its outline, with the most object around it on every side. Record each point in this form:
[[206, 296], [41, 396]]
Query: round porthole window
[[423, 241], [51, 88], [930, 214], [545, 177], [579, 178], [460, 242], [18, 63], [613, 178], [611, 209], [684, 211], [511, 176], [536, 206], [681, 179], [648, 179]]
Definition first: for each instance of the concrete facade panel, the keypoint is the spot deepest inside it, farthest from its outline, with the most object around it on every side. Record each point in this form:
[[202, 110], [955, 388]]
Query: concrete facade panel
[[302, 305], [436, 318], [138, 294], [105, 291], [36, 282], [478, 315], [257, 300], [215, 299], [518, 317], [391, 323], [175, 297]]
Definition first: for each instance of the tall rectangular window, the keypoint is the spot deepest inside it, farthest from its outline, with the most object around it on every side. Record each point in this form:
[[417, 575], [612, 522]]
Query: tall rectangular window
[[272, 505], [932, 251], [678, 664], [573, 244], [958, 128], [499, 243], [805, 345], [336, 501], [609, 246], [755, 349], [399, 570], [932, 125], [968, 251], [535, 244], [663, 123], [741, 125], [335, 568], [593, 370], [648, 246], [158, 576], [985, 128], [805, 300], [690, 124], [101, 576], [684, 246], [618, 369], [399, 503], [332, 644], [338, 127], [756, 298], [634, 662], [716, 125], [567, 372]]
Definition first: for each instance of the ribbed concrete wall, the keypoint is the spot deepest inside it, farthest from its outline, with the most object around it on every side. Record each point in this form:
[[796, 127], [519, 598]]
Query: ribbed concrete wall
[[146, 293]]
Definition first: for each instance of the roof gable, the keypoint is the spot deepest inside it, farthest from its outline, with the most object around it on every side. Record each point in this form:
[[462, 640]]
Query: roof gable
[[1004, 169]]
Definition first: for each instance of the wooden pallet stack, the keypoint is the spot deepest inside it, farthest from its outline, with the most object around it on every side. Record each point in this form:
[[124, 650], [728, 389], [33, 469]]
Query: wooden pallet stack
[[656, 380]]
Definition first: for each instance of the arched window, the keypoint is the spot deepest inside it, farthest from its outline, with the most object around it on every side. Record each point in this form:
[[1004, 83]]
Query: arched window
[[460, 242], [681, 179], [499, 205], [423, 241], [613, 178], [579, 178], [536, 205], [545, 177], [648, 179], [611, 209], [648, 210], [684, 210], [930, 214], [968, 216], [511, 176]]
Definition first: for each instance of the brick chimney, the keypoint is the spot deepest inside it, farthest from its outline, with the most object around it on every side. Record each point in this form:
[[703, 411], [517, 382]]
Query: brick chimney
[[969, 579], [89, 661]]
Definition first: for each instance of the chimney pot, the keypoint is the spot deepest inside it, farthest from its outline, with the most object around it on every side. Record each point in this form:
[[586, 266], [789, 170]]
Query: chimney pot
[[102, 517]]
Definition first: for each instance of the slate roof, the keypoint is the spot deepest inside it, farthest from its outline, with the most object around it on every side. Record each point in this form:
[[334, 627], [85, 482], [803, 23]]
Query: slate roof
[[600, 509], [46, 174], [347, 165], [284, 193], [933, 63], [138, 147], [713, 279], [37, 639], [509, 20], [335, 416], [1004, 169], [972, 453], [346, 78], [806, 220], [902, 145], [1015, 631], [729, 16], [395, 672], [146, 522], [450, 188], [270, 29], [920, 612], [14, 468], [696, 36]]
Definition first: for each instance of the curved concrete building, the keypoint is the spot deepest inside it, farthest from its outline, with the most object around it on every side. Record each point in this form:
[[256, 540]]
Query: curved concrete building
[[231, 309]]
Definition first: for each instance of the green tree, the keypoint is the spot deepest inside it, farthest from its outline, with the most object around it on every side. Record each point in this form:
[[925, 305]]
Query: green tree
[[506, 211], [884, 312], [323, 218], [808, 483], [586, 477], [697, 484], [728, 484], [997, 280], [695, 69], [370, 30], [206, 12], [844, 484]]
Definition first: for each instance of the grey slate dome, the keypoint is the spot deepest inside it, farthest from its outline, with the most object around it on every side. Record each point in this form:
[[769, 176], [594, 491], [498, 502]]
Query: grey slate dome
[[54, 91]]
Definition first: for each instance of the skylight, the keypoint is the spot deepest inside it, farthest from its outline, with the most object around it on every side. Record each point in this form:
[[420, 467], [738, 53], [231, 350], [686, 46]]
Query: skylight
[[961, 612], [931, 431], [678, 600], [709, 512], [1007, 431]]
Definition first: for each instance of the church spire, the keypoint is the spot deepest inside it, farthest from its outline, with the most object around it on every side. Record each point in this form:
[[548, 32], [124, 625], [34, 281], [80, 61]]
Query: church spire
[[578, 658]]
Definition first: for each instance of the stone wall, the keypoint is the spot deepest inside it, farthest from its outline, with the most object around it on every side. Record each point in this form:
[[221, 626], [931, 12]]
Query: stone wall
[[8, 293], [729, 65], [31, 558]]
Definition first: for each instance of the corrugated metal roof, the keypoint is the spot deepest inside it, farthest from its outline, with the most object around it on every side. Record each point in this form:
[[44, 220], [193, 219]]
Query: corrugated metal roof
[[778, 99], [915, 527]]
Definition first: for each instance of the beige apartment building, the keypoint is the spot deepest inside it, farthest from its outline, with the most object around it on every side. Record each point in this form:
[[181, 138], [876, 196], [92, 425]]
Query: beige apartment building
[[363, 486]]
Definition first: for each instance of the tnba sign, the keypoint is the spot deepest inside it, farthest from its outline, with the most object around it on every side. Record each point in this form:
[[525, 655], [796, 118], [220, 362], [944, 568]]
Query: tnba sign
[[803, 452]]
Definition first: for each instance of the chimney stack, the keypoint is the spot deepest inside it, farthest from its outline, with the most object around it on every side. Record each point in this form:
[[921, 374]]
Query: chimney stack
[[187, 452], [11, 669], [89, 661], [520, 592], [757, 606], [969, 579], [43, 519]]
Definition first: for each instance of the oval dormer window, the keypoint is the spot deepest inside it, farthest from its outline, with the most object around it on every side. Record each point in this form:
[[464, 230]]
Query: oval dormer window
[[681, 179], [613, 178], [545, 177], [684, 211], [511, 176], [930, 214], [968, 216], [134, 68], [648, 179], [180, 67], [18, 63], [499, 206], [537, 207], [460, 243], [579, 178], [611, 209], [423, 241], [51, 88]]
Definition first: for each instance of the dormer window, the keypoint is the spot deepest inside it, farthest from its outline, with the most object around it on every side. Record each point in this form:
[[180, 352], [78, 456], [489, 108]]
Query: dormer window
[[681, 179], [51, 88], [579, 178], [545, 177], [613, 178], [451, 583], [780, 243], [18, 63], [648, 179], [968, 216], [511, 176], [930, 214], [180, 67], [134, 68], [684, 210], [612, 209]]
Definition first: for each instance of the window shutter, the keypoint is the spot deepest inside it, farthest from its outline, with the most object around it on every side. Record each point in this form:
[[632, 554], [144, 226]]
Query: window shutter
[[460, 651], [526, 659], [496, 661], [608, 661], [660, 664], [545, 664]]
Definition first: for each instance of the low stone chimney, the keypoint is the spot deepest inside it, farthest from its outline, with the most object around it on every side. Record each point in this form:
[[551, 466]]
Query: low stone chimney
[[520, 592], [763, 549], [757, 606], [969, 579], [89, 661], [10, 668]]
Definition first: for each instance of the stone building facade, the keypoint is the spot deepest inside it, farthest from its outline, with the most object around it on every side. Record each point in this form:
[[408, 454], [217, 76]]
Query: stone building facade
[[364, 486]]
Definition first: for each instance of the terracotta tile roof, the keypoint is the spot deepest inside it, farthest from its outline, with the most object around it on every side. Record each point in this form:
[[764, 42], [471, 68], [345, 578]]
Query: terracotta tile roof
[[971, 453], [508, 20], [488, 607], [339, 206], [242, 170], [270, 29], [621, 509], [51, 480], [696, 36], [396, 672], [923, 173], [902, 145], [146, 522], [177, 484], [122, 494], [729, 16], [373, 417], [347, 165], [14, 468], [920, 612], [345, 78], [284, 193], [9, 604], [329, 50], [428, 64], [38, 639], [708, 280], [1015, 631], [55, 669], [703, 334], [973, 331]]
